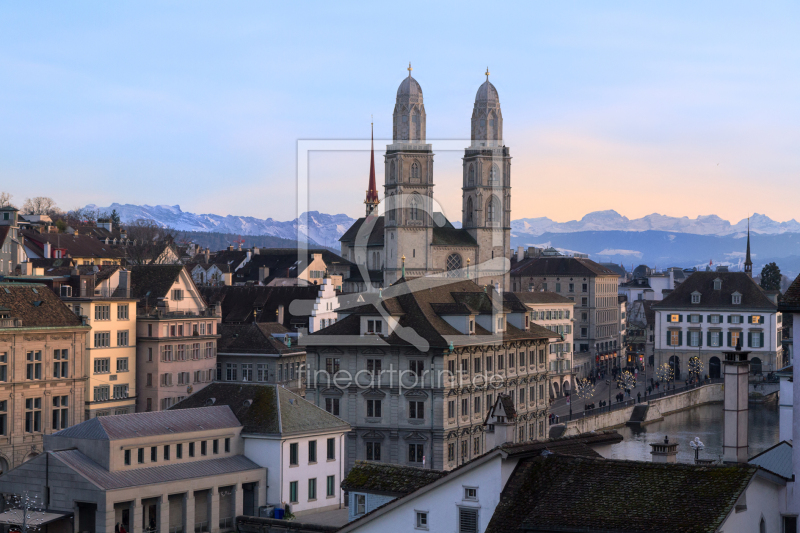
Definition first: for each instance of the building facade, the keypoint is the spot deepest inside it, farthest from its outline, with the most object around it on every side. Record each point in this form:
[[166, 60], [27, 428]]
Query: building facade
[[712, 312], [177, 333], [12, 250], [416, 371], [42, 370], [594, 290]]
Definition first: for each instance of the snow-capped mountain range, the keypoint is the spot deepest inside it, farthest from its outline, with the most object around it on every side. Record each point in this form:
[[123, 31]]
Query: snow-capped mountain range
[[326, 229]]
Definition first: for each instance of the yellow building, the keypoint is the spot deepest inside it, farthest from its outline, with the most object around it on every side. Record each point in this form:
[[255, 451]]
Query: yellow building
[[103, 299]]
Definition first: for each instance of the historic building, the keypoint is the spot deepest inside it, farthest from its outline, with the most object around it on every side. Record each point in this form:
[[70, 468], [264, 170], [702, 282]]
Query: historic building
[[412, 235], [415, 371]]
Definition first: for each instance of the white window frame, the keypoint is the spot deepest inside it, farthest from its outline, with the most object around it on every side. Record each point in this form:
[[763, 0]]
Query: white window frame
[[420, 519], [467, 496]]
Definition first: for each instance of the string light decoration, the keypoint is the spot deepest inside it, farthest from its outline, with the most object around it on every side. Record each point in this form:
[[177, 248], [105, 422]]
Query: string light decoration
[[28, 510], [695, 367], [584, 389], [665, 373], [626, 380]]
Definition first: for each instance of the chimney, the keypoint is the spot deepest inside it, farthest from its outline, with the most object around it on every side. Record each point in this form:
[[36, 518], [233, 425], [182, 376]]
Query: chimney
[[520, 253], [227, 278], [263, 273], [230, 248], [664, 452], [249, 255], [26, 268], [735, 369], [208, 255], [256, 251], [48, 250], [279, 314], [124, 283]]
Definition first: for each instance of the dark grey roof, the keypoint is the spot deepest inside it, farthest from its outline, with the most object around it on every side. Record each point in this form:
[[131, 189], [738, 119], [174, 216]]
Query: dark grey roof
[[791, 300], [36, 305], [450, 236], [560, 266], [376, 234], [388, 479], [777, 459], [153, 423], [265, 408], [110, 480], [619, 269], [753, 296], [542, 297]]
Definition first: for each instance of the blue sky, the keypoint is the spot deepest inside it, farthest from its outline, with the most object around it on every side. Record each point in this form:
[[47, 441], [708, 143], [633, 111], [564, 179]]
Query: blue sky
[[681, 108]]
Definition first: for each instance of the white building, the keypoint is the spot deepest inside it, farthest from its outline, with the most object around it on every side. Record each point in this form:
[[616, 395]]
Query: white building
[[300, 444], [712, 312], [324, 312]]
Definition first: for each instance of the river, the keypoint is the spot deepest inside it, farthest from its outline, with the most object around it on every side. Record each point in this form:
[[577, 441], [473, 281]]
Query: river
[[704, 421]]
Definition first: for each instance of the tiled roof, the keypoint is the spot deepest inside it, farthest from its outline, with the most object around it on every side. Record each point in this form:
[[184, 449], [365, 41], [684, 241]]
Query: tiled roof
[[791, 299], [110, 480], [388, 479], [375, 237], [753, 296], [777, 459], [147, 424], [619, 269], [561, 266], [266, 409], [450, 236], [76, 245], [572, 494], [4, 231], [542, 297], [244, 304], [36, 305], [416, 303], [254, 338], [153, 281]]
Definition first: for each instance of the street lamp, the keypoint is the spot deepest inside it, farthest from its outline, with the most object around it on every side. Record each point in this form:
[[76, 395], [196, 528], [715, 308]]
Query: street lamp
[[696, 445]]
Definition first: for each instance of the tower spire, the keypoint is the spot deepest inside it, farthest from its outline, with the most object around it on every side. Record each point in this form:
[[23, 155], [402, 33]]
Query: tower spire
[[748, 264], [372, 191], [409, 69]]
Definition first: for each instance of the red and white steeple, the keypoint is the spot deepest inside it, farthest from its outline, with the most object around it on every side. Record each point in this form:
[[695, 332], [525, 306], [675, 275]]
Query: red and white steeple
[[372, 191]]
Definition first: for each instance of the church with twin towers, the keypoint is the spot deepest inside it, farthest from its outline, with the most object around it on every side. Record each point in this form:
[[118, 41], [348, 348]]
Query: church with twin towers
[[405, 233]]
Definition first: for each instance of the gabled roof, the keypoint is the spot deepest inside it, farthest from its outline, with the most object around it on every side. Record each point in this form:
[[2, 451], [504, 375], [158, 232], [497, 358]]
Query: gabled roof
[[136, 425], [153, 281], [449, 236], [253, 338], [376, 235], [777, 459], [265, 409], [110, 480], [791, 300], [753, 296], [560, 266], [76, 245], [575, 494], [388, 479], [36, 305], [249, 303]]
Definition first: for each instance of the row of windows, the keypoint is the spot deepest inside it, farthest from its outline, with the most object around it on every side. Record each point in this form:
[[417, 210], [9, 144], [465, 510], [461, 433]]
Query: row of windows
[[103, 312], [294, 451], [477, 407], [104, 393], [285, 371], [168, 379], [550, 314], [34, 415], [533, 429], [33, 365], [716, 319], [184, 329], [510, 358], [311, 495], [185, 352], [166, 451], [102, 365], [755, 339], [102, 339]]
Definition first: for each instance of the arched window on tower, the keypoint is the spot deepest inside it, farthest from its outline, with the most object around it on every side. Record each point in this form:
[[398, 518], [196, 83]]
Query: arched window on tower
[[390, 207], [470, 209], [392, 173], [453, 266], [417, 125], [494, 175], [471, 176], [492, 210], [414, 209], [415, 170]]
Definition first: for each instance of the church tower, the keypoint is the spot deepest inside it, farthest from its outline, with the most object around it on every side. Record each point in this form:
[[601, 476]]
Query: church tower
[[408, 188], [486, 190], [372, 200], [748, 264]]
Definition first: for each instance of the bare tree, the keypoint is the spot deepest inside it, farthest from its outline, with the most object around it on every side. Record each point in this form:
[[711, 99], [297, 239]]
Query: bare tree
[[40, 205], [152, 244], [5, 199]]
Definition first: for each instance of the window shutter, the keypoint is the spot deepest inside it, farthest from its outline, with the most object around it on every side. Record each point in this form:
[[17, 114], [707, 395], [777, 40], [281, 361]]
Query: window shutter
[[701, 319], [680, 318], [708, 339], [467, 520], [700, 338], [749, 339], [680, 338], [668, 339], [750, 319], [760, 319], [729, 339], [729, 321], [762, 338]]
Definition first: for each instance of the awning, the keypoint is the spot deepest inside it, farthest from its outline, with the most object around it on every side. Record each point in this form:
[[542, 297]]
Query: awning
[[14, 517]]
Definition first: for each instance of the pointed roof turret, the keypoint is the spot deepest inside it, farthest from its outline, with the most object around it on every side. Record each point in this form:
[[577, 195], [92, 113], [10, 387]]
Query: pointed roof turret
[[748, 264], [372, 190]]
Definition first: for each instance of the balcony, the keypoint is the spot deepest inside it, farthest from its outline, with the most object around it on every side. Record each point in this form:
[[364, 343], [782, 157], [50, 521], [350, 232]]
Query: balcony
[[158, 313], [10, 322]]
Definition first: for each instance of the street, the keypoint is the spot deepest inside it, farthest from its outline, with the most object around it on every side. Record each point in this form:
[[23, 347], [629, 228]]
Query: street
[[560, 407]]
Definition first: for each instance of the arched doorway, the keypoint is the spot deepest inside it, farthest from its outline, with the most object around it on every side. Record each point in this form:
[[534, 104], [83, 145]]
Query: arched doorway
[[755, 366], [565, 388], [555, 389], [675, 363], [714, 368], [3, 465]]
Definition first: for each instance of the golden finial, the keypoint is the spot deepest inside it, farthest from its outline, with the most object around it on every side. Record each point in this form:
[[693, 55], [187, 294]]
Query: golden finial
[[403, 258], [409, 69], [487, 73], [468, 260]]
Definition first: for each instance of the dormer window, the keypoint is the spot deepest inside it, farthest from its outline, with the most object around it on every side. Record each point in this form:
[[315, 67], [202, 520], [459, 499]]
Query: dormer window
[[736, 298], [471, 326], [501, 323], [374, 327], [717, 284], [695, 297]]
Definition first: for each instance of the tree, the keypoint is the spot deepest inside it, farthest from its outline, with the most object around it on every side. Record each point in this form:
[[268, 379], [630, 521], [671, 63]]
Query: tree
[[151, 243], [40, 205], [114, 217], [5, 199], [771, 277]]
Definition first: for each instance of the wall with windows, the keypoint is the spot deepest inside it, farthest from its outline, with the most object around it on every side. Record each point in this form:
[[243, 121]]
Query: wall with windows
[[110, 362], [685, 333], [305, 475], [283, 369], [50, 367], [558, 318]]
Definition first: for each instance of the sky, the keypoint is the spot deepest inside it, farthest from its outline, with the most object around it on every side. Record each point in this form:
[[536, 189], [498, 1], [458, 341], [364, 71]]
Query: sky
[[679, 108]]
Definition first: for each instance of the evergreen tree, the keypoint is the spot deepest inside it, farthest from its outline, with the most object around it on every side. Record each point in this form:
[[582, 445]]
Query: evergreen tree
[[771, 277]]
